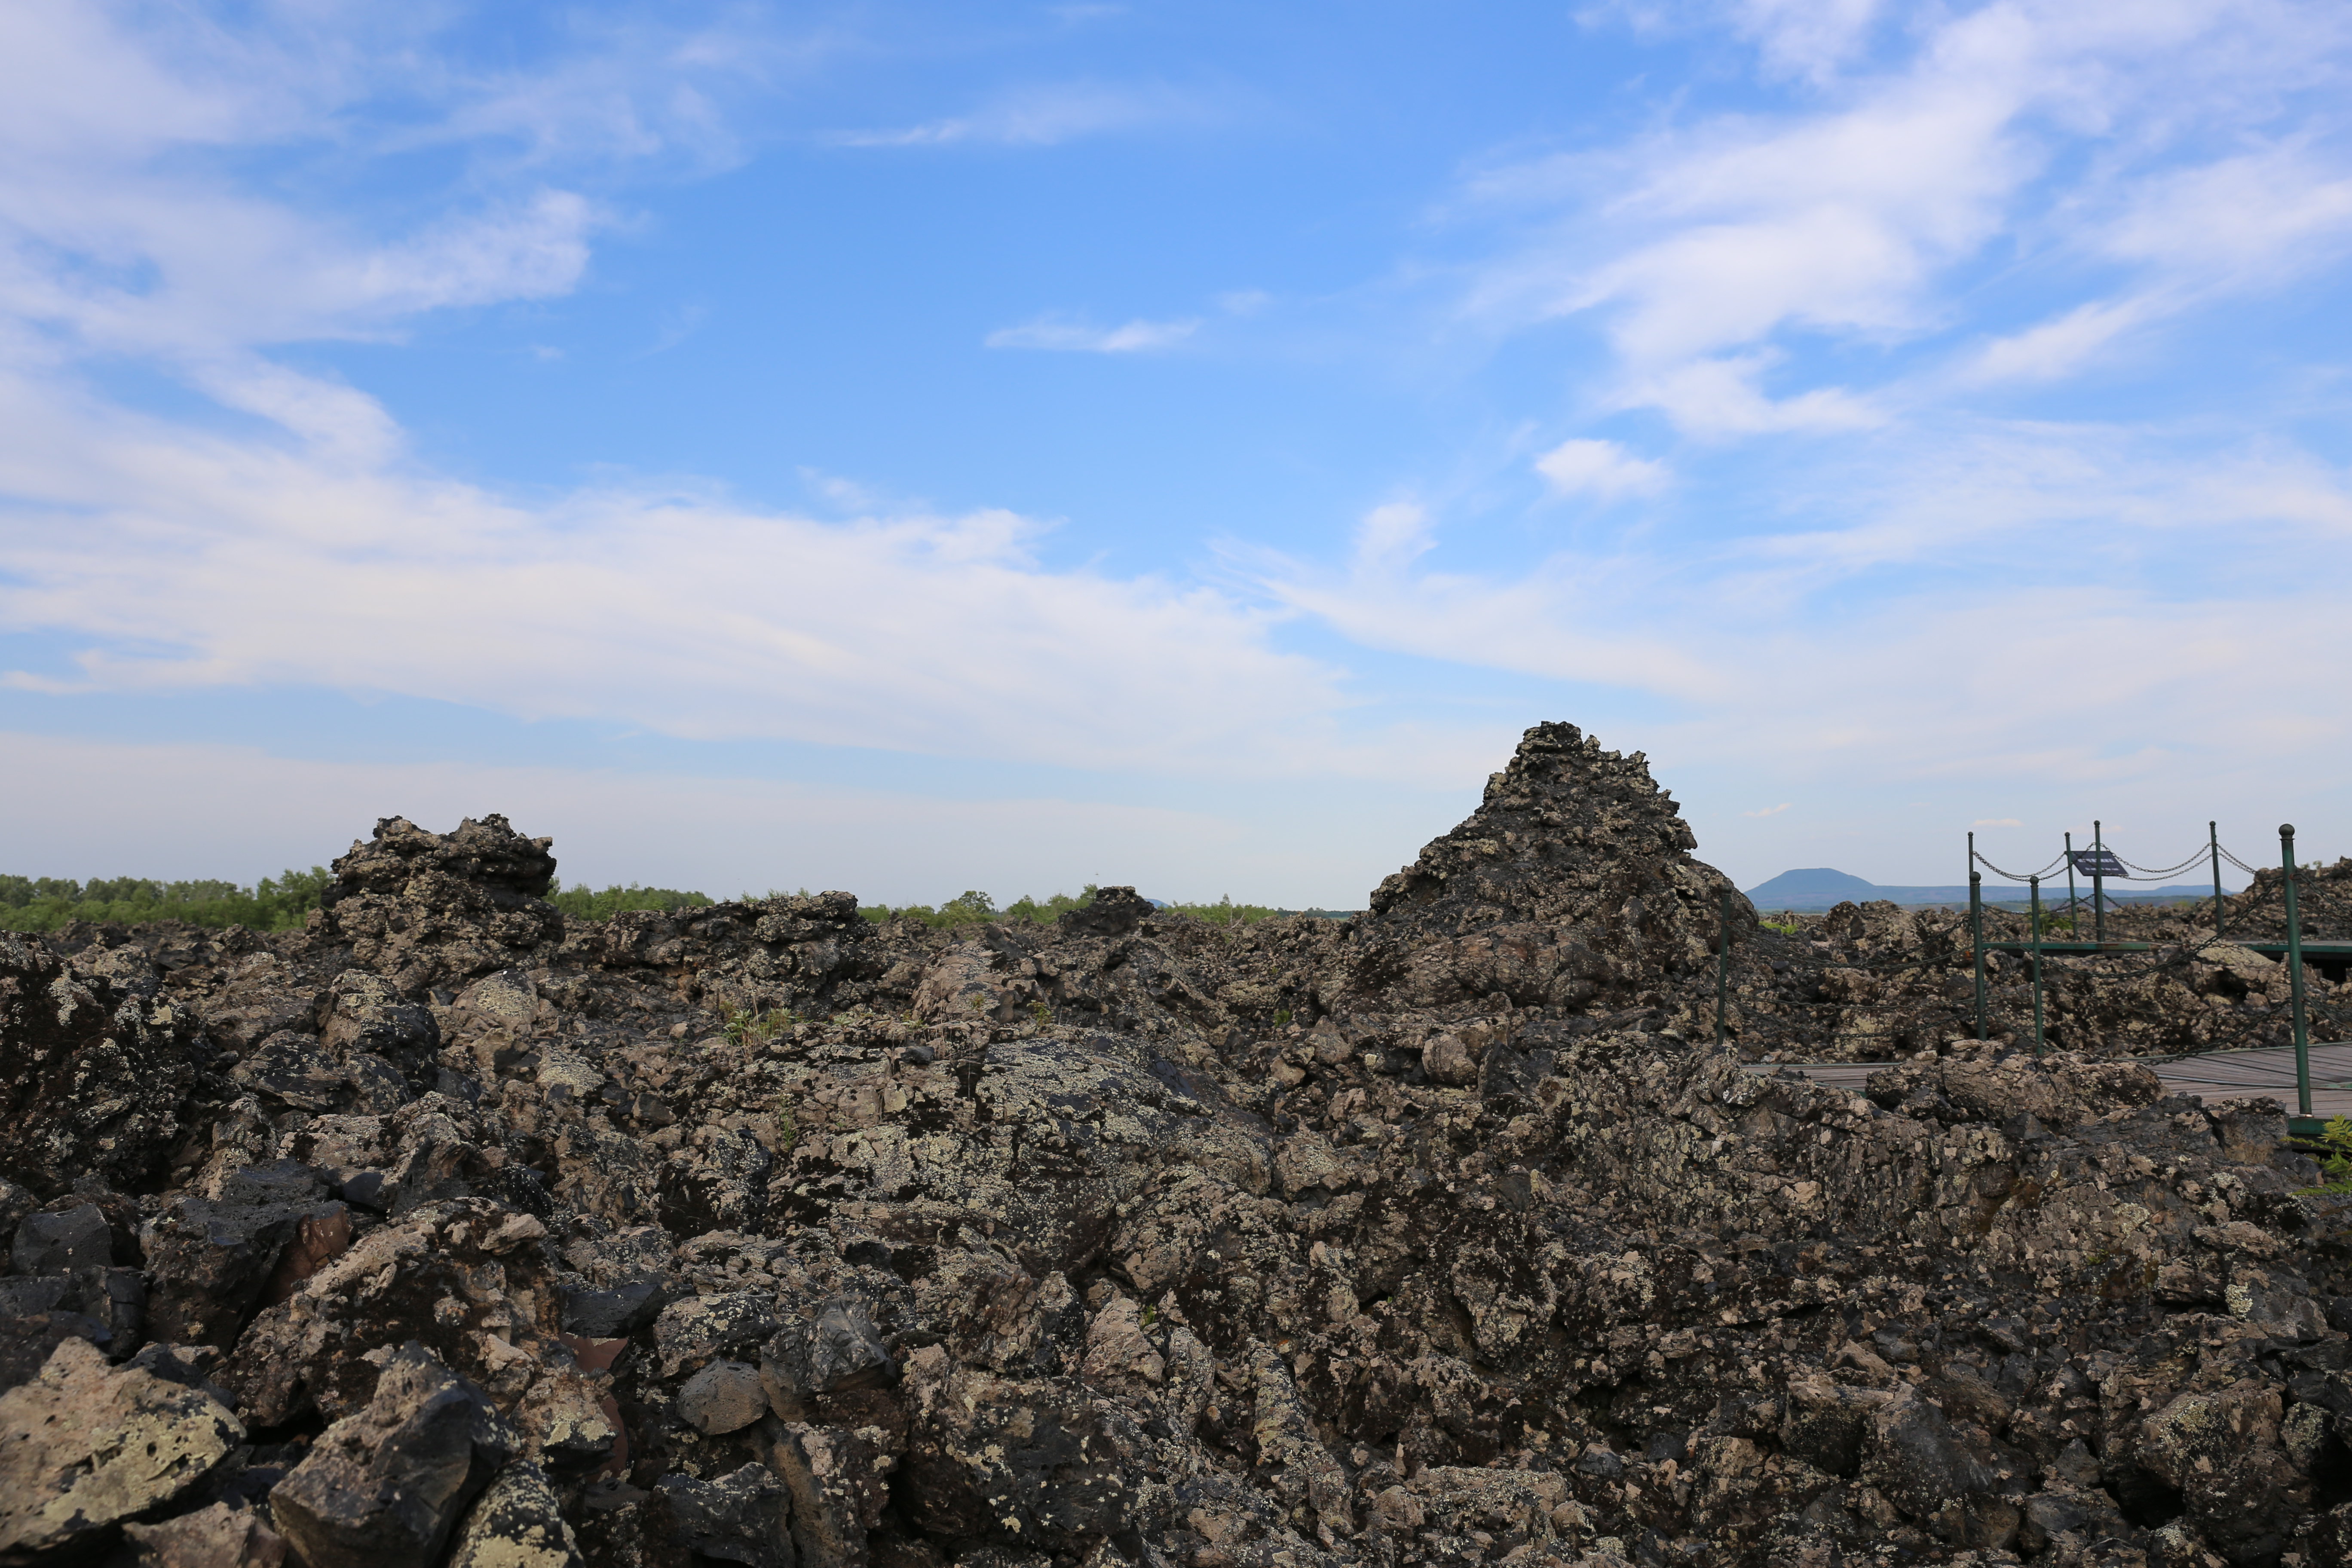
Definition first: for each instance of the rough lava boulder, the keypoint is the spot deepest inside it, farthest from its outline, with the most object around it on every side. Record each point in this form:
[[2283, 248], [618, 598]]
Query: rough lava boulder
[[1573, 885], [454, 1232], [418, 908]]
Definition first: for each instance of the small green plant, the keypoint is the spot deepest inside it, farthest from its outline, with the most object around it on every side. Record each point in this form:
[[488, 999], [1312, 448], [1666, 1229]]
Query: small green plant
[[1792, 929], [1041, 1013], [788, 1126], [2336, 1160], [749, 1025], [1282, 1018]]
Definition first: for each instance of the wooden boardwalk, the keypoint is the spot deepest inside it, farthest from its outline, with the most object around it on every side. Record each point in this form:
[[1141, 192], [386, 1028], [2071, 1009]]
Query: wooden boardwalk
[[2215, 1075]]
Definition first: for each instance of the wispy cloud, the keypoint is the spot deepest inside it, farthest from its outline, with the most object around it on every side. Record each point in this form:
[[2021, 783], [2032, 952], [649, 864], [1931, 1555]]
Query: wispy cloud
[[180, 555], [1602, 469], [1769, 811], [1039, 116], [1556, 621], [1704, 248], [1771, 647], [1063, 335], [178, 560]]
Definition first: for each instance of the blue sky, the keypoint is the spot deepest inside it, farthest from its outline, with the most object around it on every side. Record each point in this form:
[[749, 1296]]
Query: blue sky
[[912, 447]]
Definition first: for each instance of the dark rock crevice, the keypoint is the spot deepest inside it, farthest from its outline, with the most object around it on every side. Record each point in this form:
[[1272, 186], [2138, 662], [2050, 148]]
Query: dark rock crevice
[[450, 1230]]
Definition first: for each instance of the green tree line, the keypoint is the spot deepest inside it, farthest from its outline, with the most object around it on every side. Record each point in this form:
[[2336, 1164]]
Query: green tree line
[[591, 904], [274, 903], [284, 901], [975, 907]]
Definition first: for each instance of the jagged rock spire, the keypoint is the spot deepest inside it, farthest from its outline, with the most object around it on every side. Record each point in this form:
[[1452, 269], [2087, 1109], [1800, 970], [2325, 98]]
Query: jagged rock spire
[[1573, 884]]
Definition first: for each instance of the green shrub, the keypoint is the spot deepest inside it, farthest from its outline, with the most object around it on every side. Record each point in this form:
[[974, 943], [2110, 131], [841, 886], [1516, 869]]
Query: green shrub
[[976, 908], [1226, 913], [2336, 1147], [275, 903], [589, 904], [973, 907]]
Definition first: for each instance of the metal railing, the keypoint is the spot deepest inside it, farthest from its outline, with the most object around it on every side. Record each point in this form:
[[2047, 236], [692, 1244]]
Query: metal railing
[[2037, 945]]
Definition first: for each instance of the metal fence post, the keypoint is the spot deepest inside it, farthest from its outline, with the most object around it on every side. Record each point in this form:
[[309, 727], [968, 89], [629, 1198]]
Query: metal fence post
[[2214, 842], [2098, 883], [1976, 931], [2294, 974], [2035, 884], [2074, 904]]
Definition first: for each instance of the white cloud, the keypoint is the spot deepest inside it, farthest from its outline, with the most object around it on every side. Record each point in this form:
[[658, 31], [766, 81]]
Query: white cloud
[[1719, 397], [314, 553], [1808, 38], [183, 561], [2250, 218], [1062, 335], [1038, 117], [2195, 235], [151, 265], [1559, 621], [84, 807], [2062, 131], [1602, 469], [1769, 811], [1911, 629], [1392, 535], [2061, 347]]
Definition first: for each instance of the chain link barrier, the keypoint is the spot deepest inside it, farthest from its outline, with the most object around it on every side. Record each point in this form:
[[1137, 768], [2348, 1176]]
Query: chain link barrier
[[2030, 876], [2335, 1011]]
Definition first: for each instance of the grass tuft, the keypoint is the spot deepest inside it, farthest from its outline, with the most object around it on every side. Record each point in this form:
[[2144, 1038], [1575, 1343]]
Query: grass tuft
[[2336, 1165]]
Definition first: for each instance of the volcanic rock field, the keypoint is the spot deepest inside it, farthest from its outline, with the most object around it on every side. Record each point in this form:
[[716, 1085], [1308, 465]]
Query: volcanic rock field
[[451, 1230]]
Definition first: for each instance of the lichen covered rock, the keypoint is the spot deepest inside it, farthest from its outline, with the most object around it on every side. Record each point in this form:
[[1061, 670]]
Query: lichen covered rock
[[85, 1447], [762, 1233]]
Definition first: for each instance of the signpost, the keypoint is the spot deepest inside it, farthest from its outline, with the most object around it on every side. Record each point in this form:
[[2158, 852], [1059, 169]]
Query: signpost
[[2092, 862], [2099, 863]]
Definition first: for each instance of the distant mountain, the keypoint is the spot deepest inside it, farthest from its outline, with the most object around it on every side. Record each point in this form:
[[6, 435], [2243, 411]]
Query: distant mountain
[[1817, 882], [1819, 887]]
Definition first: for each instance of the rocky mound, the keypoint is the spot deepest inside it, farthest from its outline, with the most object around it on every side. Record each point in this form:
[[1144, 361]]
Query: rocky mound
[[1572, 885], [422, 908], [452, 1231]]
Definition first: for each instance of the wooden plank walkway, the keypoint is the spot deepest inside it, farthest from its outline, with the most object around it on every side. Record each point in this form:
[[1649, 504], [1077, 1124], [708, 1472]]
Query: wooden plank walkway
[[2215, 1075], [2068, 947]]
